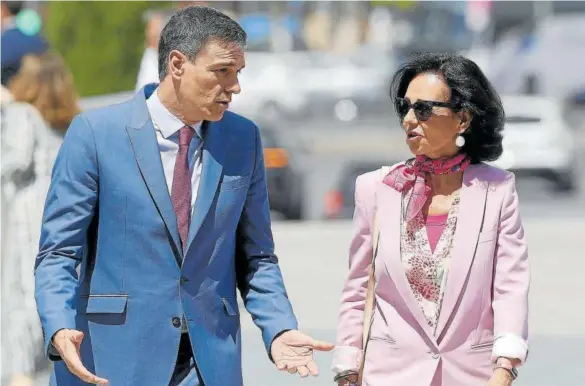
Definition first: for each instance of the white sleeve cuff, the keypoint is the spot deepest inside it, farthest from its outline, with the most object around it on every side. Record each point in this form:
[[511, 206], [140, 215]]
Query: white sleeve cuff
[[510, 346], [346, 358]]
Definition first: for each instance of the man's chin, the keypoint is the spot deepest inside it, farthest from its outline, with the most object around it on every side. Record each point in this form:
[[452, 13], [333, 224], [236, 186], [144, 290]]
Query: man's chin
[[215, 117]]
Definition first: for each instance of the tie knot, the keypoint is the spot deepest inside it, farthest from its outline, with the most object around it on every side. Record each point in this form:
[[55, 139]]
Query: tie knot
[[186, 135]]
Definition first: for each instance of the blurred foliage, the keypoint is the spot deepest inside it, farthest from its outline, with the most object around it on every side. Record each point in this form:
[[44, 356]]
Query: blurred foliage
[[102, 41]]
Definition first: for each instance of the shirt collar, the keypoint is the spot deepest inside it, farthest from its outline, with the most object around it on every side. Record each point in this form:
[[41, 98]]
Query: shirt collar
[[164, 121]]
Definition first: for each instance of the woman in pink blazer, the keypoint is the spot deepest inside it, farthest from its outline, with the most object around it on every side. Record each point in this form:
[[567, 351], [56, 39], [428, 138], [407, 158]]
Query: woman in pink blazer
[[451, 270]]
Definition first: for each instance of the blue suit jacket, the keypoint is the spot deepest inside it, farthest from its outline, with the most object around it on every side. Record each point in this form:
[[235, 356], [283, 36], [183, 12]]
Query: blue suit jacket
[[108, 209]]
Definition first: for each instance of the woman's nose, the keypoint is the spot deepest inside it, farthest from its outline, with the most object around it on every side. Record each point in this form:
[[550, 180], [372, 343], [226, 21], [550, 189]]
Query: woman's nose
[[410, 120]]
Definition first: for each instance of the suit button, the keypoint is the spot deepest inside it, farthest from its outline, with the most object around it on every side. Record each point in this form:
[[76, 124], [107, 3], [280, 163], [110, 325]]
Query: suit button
[[176, 322], [436, 356], [184, 279]]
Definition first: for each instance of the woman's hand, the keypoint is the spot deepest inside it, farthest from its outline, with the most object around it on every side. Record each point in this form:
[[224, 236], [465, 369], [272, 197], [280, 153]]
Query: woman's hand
[[500, 377]]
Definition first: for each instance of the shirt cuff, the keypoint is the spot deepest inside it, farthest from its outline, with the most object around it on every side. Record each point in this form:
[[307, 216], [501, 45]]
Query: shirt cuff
[[510, 346], [346, 358]]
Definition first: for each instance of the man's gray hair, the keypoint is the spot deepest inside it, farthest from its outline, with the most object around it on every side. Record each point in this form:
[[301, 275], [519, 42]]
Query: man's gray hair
[[191, 28]]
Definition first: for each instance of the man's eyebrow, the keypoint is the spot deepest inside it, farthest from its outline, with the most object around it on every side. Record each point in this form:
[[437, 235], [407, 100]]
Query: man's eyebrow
[[224, 63]]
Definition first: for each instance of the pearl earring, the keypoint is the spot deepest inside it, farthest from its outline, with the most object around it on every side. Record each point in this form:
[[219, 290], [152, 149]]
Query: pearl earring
[[459, 141]]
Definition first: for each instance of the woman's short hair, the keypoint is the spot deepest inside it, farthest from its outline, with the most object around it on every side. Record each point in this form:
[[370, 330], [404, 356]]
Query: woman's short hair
[[45, 82], [470, 91]]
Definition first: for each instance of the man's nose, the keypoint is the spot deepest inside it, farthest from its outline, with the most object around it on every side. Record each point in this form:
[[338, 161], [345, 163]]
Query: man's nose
[[234, 88]]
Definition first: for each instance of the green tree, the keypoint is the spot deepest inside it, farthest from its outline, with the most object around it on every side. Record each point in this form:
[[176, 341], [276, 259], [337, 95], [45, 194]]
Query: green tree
[[102, 41]]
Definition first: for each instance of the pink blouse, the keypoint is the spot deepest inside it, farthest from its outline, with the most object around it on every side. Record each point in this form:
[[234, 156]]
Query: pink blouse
[[435, 225]]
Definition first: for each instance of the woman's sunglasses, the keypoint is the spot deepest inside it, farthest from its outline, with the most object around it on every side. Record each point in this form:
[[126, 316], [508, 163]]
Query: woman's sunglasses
[[422, 109]]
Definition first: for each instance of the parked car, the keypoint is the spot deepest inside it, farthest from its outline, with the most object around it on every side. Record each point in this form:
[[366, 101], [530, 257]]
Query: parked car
[[339, 201], [538, 142], [284, 177]]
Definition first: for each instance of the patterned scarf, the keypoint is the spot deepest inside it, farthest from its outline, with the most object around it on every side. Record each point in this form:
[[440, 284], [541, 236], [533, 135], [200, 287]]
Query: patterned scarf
[[413, 175]]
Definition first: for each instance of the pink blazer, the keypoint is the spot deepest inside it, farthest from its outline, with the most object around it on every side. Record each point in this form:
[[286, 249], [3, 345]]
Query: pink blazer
[[485, 308]]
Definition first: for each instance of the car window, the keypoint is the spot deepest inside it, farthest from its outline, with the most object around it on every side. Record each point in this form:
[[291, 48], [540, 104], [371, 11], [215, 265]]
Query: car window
[[268, 139], [522, 119]]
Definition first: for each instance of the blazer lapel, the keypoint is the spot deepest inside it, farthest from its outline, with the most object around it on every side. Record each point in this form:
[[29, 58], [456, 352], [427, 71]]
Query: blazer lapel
[[212, 166], [143, 140], [389, 208], [469, 220]]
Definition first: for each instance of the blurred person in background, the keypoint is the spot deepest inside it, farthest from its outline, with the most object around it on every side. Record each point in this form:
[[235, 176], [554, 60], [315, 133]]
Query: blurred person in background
[[20, 36], [42, 102], [148, 72], [161, 202], [451, 273]]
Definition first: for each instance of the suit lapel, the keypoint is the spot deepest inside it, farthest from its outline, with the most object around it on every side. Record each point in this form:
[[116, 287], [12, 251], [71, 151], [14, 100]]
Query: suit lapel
[[143, 139], [389, 203], [212, 166], [469, 221]]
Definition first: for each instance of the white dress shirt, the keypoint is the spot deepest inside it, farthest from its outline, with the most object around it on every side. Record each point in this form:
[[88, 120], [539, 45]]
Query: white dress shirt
[[167, 128]]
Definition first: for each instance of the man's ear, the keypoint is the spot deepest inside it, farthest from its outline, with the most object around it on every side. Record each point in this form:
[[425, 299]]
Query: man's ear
[[177, 62]]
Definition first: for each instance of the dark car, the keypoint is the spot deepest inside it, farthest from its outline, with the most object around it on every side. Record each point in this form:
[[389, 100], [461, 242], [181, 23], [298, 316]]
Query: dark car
[[339, 201], [284, 178]]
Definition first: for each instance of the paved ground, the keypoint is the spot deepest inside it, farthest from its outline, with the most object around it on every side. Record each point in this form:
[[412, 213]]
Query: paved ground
[[314, 261]]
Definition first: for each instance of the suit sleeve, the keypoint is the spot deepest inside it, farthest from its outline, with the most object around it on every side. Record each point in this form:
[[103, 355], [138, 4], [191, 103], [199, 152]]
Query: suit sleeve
[[259, 277], [348, 350], [511, 282], [69, 209]]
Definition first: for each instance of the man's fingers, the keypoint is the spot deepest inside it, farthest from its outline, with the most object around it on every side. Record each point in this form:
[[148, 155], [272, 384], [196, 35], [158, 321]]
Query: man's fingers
[[73, 362], [281, 366], [291, 369], [313, 368], [303, 371]]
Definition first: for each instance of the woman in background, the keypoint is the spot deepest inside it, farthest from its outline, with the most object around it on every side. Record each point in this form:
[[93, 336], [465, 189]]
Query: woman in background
[[451, 271], [44, 102]]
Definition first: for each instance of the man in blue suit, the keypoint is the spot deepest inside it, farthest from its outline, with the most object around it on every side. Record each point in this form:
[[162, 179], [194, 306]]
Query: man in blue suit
[[162, 200]]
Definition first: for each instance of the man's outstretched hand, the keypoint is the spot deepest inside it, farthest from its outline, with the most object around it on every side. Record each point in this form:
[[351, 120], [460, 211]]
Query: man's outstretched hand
[[293, 352], [68, 343]]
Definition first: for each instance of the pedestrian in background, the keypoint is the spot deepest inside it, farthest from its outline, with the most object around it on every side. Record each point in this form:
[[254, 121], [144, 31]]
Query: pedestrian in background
[[36, 112]]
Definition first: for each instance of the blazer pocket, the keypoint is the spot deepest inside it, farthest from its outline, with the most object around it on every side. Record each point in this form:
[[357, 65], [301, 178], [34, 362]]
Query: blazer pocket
[[234, 182], [385, 339], [106, 304], [488, 235], [484, 346], [230, 306]]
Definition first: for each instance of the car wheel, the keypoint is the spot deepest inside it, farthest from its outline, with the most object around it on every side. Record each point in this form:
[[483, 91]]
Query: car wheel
[[565, 182]]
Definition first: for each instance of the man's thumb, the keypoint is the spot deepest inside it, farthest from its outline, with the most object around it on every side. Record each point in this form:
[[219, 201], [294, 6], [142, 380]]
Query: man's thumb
[[76, 336], [322, 346]]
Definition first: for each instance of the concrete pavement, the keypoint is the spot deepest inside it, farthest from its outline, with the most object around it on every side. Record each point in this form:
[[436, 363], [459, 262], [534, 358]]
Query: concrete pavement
[[313, 257]]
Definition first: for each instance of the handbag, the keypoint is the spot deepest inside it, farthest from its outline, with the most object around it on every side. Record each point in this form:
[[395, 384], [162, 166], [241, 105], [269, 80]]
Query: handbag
[[370, 294]]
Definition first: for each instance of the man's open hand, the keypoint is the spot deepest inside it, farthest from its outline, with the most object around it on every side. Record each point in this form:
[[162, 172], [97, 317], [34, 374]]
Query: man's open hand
[[68, 343], [293, 352]]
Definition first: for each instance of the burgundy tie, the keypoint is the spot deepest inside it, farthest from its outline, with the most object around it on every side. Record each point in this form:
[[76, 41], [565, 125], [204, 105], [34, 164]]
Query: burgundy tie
[[181, 190]]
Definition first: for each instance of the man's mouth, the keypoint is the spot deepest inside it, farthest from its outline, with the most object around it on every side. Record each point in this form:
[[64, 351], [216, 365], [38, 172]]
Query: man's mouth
[[412, 134]]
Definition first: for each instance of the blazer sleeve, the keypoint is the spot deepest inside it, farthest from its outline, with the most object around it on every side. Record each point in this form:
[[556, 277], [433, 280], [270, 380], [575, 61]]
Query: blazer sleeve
[[511, 282], [259, 277], [348, 350], [69, 210]]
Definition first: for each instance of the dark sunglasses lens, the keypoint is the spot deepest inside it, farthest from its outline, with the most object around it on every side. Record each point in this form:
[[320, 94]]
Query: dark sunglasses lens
[[423, 110], [402, 106]]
